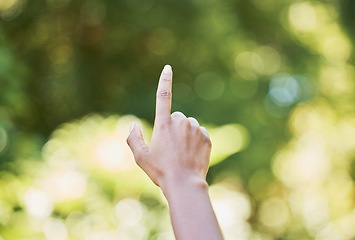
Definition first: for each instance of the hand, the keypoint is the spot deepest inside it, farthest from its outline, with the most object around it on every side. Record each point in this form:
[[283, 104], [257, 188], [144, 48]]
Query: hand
[[179, 148], [177, 160]]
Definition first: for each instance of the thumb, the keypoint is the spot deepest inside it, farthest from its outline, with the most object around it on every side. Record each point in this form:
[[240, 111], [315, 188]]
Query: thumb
[[136, 142]]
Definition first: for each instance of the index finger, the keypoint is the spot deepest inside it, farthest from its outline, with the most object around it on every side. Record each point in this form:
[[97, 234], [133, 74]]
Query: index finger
[[164, 95]]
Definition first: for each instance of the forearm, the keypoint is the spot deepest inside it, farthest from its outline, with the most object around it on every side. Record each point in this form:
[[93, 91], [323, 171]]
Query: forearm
[[191, 211]]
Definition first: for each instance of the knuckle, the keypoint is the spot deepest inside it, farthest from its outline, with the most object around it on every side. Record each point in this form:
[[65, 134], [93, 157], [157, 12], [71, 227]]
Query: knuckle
[[141, 155], [185, 123], [138, 159], [177, 114], [206, 139], [163, 125], [164, 93], [208, 142], [205, 132], [194, 123], [194, 128]]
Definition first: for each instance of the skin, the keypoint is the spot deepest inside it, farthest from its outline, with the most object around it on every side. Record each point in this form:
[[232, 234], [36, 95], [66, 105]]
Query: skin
[[177, 160]]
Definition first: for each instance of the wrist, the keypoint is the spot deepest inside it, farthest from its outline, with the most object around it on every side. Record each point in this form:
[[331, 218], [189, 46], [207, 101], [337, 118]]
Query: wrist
[[173, 186]]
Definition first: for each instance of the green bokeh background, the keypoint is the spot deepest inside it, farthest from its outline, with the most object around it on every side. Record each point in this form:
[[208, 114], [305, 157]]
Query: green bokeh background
[[273, 82]]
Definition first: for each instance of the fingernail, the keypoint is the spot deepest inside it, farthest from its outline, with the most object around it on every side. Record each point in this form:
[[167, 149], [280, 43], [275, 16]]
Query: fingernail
[[131, 127], [167, 68]]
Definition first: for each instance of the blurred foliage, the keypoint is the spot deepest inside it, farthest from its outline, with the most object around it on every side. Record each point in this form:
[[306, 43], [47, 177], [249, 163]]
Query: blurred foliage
[[273, 81]]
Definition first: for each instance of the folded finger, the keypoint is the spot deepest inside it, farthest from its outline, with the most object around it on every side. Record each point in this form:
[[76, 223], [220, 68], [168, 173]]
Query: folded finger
[[193, 122], [178, 115]]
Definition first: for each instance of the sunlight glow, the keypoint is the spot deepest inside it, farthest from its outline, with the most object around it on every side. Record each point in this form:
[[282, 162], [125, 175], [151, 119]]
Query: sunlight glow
[[274, 214], [314, 168], [65, 185], [38, 203], [129, 212], [303, 16], [232, 210], [249, 65], [109, 154], [336, 81], [10, 9], [54, 229], [335, 46], [271, 59], [227, 140]]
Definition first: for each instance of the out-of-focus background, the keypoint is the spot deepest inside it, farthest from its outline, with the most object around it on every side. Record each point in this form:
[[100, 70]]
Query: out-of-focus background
[[273, 82]]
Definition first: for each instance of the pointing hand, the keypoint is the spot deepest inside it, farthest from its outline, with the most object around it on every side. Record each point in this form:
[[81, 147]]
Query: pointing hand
[[179, 147]]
